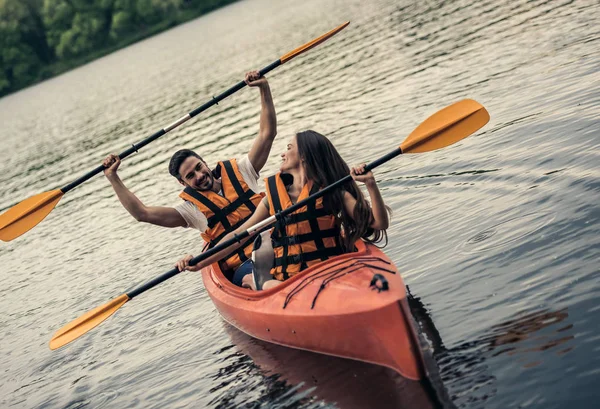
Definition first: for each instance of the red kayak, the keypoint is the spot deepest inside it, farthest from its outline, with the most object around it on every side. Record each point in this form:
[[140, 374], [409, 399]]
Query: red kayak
[[351, 306]]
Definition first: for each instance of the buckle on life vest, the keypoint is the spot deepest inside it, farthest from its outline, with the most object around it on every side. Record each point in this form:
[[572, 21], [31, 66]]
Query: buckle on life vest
[[288, 241], [289, 260], [295, 259]]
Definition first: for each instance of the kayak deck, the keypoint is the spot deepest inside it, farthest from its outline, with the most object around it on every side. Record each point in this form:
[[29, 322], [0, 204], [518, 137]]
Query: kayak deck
[[330, 308]]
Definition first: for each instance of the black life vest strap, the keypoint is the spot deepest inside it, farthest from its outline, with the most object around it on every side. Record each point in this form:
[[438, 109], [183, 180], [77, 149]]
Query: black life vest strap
[[279, 227], [272, 183], [304, 216], [247, 195], [218, 216], [215, 241], [280, 239], [240, 253], [316, 236], [322, 254], [231, 207], [314, 227], [243, 197], [217, 171]]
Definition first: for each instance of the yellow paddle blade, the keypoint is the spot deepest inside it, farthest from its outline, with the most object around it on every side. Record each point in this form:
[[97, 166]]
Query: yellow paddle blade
[[446, 127], [86, 322], [312, 43], [23, 216]]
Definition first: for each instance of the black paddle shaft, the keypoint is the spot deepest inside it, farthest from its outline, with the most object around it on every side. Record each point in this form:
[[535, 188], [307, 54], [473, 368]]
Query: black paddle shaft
[[151, 138], [252, 230]]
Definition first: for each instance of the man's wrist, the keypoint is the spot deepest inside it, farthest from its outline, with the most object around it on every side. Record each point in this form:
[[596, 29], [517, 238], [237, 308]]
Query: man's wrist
[[112, 177]]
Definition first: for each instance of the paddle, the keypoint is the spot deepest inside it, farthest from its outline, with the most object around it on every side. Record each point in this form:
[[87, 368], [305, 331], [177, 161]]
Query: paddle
[[443, 128], [25, 215]]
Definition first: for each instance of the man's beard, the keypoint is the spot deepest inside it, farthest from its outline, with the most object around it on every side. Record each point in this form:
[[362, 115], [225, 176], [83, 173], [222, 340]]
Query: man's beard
[[211, 181]]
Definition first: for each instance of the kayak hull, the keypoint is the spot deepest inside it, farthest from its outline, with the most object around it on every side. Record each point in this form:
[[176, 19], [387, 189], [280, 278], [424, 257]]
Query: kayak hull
[[330, 308]]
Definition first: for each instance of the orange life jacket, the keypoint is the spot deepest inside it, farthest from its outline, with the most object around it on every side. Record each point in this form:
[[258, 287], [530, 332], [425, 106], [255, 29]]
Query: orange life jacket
[[306, 237], [226, 213]]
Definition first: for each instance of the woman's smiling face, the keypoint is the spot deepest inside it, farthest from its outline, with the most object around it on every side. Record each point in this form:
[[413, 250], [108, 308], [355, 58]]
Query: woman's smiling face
[[290, 159]]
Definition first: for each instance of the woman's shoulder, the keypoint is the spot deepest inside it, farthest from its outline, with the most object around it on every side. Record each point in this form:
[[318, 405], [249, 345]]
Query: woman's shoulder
[[348, 195]]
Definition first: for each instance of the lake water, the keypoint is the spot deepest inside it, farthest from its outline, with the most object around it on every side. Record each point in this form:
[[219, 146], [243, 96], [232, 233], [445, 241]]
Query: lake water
[[496, 236]]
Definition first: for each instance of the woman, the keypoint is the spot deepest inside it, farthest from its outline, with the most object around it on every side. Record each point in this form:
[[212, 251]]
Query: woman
[[326, 227]]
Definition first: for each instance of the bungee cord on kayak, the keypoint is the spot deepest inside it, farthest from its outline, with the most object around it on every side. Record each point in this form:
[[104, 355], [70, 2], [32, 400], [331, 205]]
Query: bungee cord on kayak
[[329, 275], [357, 266]]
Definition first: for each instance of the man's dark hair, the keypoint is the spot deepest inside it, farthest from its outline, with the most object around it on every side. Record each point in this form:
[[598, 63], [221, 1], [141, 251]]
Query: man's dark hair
[[178, 158]]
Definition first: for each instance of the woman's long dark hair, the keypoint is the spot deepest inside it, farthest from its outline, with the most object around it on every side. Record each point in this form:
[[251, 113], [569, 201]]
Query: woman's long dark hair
[[324, 166]]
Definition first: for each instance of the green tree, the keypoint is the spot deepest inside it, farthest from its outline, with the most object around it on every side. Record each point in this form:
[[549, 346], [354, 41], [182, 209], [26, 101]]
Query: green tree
[[123, 19], [40, 38], [58, 18], [33, 30], [153, 11], [122, 24], [23, 46], [87, 32], [76, 27]]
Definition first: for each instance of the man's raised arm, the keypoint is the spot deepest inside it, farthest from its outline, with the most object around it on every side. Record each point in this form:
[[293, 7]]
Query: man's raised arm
[[268, 122], [160, 216]]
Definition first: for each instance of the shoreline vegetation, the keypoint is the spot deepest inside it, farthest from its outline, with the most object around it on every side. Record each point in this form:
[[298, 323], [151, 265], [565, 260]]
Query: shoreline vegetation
[[40, 39]]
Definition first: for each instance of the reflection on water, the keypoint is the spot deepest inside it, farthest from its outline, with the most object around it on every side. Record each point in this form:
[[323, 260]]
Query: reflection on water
[[523, 338], [425, 323], [337, 382], [314, 378], [526, 339], [524, 329]]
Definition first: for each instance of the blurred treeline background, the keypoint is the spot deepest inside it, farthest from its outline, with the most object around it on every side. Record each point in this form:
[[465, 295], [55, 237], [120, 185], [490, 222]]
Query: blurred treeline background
[[42, 38]]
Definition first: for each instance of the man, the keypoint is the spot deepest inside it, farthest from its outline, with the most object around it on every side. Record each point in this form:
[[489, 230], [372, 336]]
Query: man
[[215, 201]]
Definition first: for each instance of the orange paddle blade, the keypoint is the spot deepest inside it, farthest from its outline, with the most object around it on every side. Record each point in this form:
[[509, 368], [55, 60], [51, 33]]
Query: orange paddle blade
[[86, 322], [446, 127], [23, 216], [312, 43]]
